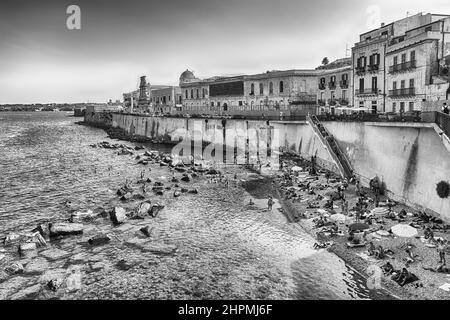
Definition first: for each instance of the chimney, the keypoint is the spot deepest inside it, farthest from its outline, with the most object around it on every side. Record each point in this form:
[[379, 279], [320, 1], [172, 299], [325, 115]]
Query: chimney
[[382, 24]]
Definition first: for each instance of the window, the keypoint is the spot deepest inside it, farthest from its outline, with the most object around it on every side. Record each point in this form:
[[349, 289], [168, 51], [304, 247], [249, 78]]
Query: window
[[403, 57], [394, 85], [428, 29], [374, 83], [361, 103], [333, 96], [361, 84], [384, 33], [412, 56], [281, 86], [395, 60], [197, 95], [411, 106], [192, 93], [333, 79], [212, 103], [402, 84], [204, 93], [252, 88], [261, 88], [344, 94], [240, 103], [394, 106], [187, 94], [402, 107], [270, 88], [411, 83], [218, 103], [345, 76]]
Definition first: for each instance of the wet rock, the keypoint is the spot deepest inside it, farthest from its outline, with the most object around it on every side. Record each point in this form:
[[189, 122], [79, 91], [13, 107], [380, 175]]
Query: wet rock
[[55, 254], [146, 231], [193, 191], [42, 229], [12, 238], [186, 177], [14, 268], [65, 229], [118, 215], [127, 196], [36, 266], [28, 293], [156, 209], [99, 240], [78, 217]]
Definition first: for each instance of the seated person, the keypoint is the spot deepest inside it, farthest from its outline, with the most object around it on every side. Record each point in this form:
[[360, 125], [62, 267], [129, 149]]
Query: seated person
[[388, 268], [404, 277], [379, 253], [371, 249], [402, 214], [428, 234]]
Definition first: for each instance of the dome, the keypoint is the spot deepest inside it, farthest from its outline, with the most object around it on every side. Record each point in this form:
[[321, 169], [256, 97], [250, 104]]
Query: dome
[[186, 76]]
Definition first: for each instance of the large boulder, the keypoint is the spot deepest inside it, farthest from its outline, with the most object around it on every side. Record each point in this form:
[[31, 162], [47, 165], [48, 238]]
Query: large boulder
[[14, 268], [118, 215], [141, 211], [43, 229], [99, 240], [65, 229], [12, 238], [26, 247]]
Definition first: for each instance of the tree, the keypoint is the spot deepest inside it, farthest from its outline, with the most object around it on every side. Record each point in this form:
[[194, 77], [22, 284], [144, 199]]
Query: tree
[[325, 61]]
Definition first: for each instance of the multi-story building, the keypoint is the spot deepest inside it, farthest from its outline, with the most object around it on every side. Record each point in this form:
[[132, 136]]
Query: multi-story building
[[415, 62], [130, 101], [386, 47], [273, 90], [164, 99], [335, 86]]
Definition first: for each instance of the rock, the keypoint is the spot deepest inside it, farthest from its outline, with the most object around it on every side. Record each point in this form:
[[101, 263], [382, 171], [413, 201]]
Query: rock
[[186, 177], [163, 164], [193, 191], [176, 194], [118, 215], [175, 180], [156, 208], [127, 196], [139, 148], [141, 211], [38, 239], [180, 169], [27, 246], [158, 184], [162, 249], [98, 240], [2, 256], [212, 171], [126, 265], [42, 229], [36, 266], [138, 196], [3, 276], [79, 258], [159, 193], [54, 254], [54, 284], [82, 217], [146, 231], [184, 190], [28, 293], [12, 238], [65, 229], [98, 266], [14, 268]]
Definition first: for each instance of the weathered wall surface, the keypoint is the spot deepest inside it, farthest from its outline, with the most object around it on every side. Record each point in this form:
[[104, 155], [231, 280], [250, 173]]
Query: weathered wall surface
[[409, 158]]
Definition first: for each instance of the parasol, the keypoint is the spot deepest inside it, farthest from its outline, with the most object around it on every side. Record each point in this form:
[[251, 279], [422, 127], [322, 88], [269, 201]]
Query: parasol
[[404, 230]]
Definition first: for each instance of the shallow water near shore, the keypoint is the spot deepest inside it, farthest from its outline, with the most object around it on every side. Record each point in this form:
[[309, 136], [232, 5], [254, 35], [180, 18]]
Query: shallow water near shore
[[226, 248]]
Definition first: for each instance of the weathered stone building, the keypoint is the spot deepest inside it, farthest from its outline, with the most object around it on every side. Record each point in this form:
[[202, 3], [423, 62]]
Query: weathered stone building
[[389, 63], [335, 87], [273, 90], [165, 99]]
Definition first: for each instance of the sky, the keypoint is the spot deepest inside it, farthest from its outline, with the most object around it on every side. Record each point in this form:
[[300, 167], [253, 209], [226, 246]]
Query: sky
[[43, 61]]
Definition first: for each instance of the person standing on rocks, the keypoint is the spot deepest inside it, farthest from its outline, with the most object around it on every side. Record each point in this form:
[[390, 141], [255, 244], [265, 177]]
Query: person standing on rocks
[[441, 250], [270, 203]]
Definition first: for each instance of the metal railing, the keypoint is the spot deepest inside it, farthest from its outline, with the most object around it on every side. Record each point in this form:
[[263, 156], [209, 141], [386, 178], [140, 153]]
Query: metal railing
[[402, 92], [343, 84], [368, 91], [332, 85], [443, 121], [402, 66]]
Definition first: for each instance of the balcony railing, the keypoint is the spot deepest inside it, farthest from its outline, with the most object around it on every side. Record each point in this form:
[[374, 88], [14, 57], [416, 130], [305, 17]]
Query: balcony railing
[[373, 67], [332, 102], [321, 102], [343, 84], [404, 66], [321, 86], [332, 85], [402, 92], [343, 102], [371, 91], [360, 69]]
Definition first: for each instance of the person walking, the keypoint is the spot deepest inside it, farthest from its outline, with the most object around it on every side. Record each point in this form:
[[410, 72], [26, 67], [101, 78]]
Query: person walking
[[445, 109], [270, 203], [441, 250]]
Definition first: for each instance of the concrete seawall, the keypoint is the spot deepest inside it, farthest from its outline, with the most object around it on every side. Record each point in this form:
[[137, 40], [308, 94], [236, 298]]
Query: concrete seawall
[[410, 159]]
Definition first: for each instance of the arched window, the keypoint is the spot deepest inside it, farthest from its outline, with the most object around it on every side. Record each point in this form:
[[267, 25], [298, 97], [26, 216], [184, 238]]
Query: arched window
[[204, 93], [192, 93], [271, 88], [261, 89], [281, 86], [197, 95], [252, 89], [187, 94]]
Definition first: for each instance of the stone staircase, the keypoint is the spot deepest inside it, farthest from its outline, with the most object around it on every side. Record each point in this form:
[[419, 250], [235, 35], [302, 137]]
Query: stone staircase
[[330, 144]]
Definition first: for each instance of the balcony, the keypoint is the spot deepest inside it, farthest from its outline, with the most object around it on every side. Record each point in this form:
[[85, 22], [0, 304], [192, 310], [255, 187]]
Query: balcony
[[373, 67], [343, 102], [360, 70], [321, 86], [332, 102], [321, 102], [404, 66], [404, 92], [332, 85], [343, 84], [366, 92]]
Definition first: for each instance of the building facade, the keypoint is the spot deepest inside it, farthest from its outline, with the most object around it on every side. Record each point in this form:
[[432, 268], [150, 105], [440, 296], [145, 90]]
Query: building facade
[[165, 99], [335, 87], [273, 90], [389, 63]]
